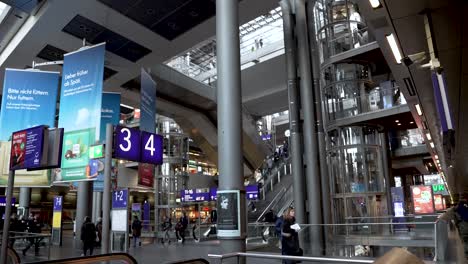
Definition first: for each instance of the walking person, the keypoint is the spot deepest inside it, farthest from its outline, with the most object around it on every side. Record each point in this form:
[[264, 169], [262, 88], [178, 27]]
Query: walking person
[[289, 237], [166, 226], [181, 227], [88, 236], [34, 227], [136, 231], [99, 231]]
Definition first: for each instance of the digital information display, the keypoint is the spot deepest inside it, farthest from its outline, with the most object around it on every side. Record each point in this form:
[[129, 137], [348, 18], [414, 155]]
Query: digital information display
[[119, 199], [422, 199], [27, 148], [201, 195]]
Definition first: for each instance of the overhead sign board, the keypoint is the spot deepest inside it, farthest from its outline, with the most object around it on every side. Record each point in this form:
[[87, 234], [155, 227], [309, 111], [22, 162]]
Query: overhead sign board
[[119, 199], [135, 145]]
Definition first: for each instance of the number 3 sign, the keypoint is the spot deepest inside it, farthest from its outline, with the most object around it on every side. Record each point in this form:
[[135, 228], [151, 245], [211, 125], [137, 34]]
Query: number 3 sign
[[135, 145]]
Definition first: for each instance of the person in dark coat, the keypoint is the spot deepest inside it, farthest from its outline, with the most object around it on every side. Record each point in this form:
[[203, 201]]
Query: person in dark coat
[[289, 237], [88, 236], [136, 231], [33, 226]]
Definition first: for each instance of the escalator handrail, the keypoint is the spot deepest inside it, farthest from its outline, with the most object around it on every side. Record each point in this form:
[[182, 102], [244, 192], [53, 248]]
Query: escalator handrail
[[93, 259], [278, 196]]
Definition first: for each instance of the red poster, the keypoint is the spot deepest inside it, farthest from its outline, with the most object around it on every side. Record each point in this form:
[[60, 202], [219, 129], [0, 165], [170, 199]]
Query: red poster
[[439, 204], [18, 149], [146, 174], [422, 199]]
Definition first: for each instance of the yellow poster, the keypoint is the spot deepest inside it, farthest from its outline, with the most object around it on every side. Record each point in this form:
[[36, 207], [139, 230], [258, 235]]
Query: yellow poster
[[57, 220]]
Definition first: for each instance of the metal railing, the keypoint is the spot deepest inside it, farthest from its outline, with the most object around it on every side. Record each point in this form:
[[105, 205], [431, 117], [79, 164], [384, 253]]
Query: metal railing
[[274, 177], [239, 255], [23, 241], [105, 258]]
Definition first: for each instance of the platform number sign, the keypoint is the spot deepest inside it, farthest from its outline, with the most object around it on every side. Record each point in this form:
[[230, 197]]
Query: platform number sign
[[151, 151], [119, 199], [127, 143], [135, 145]]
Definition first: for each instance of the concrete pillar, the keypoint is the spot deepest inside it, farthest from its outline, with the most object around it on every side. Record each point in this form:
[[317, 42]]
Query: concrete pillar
[[25, 199], [230, 112], [83, 205]]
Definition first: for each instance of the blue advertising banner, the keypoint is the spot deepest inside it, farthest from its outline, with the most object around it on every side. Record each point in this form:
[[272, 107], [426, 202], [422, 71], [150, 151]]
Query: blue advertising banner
[[148, 103], [80, 110], [29, 98], [110, 112]]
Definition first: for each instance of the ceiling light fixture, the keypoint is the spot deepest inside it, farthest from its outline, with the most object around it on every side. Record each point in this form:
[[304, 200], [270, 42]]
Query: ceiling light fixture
[[375, 3], [436, 157], [431, 144], [394, 46], [411, 122], [428, 135], [418, 109], [397, 121], [399, 124]]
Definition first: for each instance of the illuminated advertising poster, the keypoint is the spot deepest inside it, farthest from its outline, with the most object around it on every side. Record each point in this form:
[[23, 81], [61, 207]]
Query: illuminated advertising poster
[[422, 199], [229, 222], [146, 174], [27, 147], [26, 102], [438, 203], [80, 110]]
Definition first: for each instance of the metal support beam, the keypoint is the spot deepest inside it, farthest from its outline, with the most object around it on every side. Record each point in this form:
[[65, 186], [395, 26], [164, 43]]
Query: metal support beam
[[310, 139], [6, 224], [83, 205], [387, 168], [230, 111], [106, 197], [294, 121]]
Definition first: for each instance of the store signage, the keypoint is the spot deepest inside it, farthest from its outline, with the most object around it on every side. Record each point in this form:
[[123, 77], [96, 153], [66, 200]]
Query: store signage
[[438, 202], [439, 189], [422, 199], [27, 148], [135, 145], [119, 199]]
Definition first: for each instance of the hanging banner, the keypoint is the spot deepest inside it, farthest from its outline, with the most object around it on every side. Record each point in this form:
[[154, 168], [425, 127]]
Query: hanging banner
[[146, 175], [29, 98], [148, 103], [110, 112], [422, 199], [80, 110]]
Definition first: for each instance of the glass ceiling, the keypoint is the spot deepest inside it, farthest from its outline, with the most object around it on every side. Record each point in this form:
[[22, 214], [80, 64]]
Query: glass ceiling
[[260, 39], [3, 8]]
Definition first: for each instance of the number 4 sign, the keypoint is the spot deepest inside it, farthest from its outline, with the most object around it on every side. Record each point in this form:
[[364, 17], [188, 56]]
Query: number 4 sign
[[152, 150], [132, 144]]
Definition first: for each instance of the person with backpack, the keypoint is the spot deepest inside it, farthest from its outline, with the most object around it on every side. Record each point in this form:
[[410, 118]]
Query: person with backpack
[[88, 236], [136, 231], [461, 216]]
